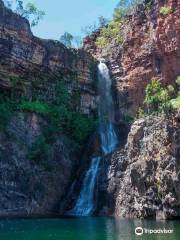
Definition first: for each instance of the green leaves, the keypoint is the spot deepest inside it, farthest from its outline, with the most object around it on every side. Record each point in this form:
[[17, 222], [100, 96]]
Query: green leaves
[[165, 10], [108, 33], [35, 106], [28, 11], [157, 98]]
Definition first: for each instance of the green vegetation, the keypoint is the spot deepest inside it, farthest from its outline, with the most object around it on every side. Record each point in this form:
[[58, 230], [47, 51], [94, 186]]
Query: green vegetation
[[165, 10], [36, 106], [111, 31], [157, 98], [61, 113], [39, 151], [178, 81], [71, 41], [68, 120], [66, 39], [176, 101], [126, 7], [28, 11]]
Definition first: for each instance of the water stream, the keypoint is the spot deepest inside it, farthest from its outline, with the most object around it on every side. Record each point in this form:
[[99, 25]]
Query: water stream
[[85, 202]]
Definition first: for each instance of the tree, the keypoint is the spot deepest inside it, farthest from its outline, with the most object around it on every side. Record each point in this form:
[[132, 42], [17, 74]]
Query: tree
[[66, 39], [126, 7], [77, 42], [102, 21], [29, 11], [87, 30], [8, 3], [118, 14]]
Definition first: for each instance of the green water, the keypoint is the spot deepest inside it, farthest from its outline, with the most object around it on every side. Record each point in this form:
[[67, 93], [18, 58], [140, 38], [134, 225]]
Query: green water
[[84, 229]]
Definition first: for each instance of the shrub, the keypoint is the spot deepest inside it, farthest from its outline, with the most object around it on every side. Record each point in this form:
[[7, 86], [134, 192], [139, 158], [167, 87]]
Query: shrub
[[101, 42], [165, 10], [39, 151], [81, 126], [178, 81], [141, 113], [35, 106], [157, 98], [175, 102]]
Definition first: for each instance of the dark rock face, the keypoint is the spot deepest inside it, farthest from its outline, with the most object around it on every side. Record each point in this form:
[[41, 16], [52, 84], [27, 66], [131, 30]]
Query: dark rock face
[[144, 177], [29, 188]]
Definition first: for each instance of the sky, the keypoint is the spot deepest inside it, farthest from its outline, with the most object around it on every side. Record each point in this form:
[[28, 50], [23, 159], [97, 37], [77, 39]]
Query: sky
[[70, 16]]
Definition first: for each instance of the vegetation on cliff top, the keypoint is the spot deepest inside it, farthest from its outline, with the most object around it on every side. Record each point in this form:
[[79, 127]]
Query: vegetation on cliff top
[[112, 30], [28, 10]]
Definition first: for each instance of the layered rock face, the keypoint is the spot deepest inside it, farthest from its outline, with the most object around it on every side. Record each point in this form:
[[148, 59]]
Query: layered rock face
[[144, 176], [41, 63], [150, 49]]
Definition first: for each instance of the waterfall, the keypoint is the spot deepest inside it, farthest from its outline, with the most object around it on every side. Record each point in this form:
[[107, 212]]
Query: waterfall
[[108, 135], [85, 202], [84, 205]]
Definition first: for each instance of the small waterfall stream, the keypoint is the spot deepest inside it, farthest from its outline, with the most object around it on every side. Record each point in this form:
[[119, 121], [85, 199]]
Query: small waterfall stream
[[85, 202]]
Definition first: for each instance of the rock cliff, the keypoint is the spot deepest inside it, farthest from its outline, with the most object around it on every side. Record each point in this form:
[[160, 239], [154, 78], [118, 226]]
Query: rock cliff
[[32, 188], [150, 49], [38, 63], [142, 179], [144, 176], [35, 170]]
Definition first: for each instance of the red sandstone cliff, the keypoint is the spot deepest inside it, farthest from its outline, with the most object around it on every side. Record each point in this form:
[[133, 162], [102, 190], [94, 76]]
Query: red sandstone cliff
[[150, 49]]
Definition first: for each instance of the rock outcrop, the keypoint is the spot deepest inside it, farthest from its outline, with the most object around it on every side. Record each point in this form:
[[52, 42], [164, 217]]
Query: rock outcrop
[[144, 176]]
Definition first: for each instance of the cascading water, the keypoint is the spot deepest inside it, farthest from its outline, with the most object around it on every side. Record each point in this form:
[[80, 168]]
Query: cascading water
[[84, 205], [85, 202], [108, 135]]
